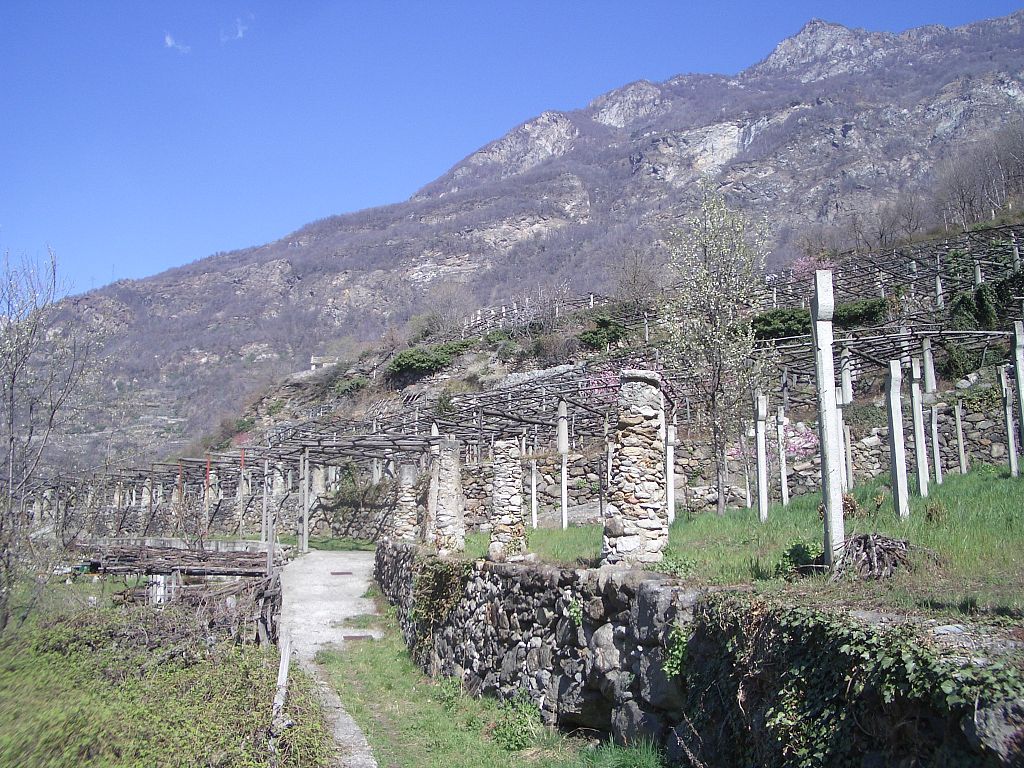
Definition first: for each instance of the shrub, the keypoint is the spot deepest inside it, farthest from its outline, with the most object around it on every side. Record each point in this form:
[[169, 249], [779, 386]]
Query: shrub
[[605, 332], [781, 323], [422, 361], [863, 312], [350, 386]]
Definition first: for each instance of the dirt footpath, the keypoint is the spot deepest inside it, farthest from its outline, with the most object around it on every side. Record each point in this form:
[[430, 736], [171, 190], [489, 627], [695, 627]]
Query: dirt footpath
[[321, 590]]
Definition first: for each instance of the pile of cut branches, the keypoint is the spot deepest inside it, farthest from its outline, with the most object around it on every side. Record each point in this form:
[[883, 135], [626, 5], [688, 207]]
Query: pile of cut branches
[[871, 556]]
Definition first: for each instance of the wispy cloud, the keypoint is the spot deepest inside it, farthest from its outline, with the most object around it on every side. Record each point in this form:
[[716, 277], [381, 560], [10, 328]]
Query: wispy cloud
[[236, 32], [170, 42]]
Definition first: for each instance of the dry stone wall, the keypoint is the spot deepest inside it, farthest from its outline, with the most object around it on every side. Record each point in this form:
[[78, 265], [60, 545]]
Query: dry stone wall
[[594, 649], [508, 527]]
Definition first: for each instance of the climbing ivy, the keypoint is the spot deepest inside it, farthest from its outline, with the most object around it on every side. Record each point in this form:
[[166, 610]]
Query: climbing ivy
[[438, 585], [797, 686]]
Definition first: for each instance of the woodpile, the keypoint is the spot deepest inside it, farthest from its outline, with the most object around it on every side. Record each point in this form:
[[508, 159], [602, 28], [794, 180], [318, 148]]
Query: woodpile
[[119, 559], [871, 556]]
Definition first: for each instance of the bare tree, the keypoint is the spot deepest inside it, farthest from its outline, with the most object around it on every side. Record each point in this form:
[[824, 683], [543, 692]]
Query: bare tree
[[719, 260], [637, 274], [41, 361]]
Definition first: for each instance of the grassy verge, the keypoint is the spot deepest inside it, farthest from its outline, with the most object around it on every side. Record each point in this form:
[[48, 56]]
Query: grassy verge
[[414, 722], [135, 686], [971, 529], [329, 544]]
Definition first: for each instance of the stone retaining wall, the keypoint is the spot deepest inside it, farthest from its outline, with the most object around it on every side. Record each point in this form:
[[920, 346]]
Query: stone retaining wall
[[591, 648]]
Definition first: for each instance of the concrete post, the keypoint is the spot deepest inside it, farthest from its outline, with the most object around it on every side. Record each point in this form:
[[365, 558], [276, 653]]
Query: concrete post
[[930, 385], [1011, 432], [449, 524], [508, 526], [936, 448], [760, 418], [533, 493], [1016, 253], [897, 449], [940, 300], [781, 422], [266, 501], [670, 472], [637, 531], [848, 455], [822, 308], [306, 502], [404, 525], [1018, 370], [562, 443], [920, 446], [961, 452]]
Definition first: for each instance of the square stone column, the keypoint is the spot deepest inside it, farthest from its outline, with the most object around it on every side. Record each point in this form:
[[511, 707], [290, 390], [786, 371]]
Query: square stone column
[[449, 531], [404, 524], [508, 526], [636, 528]]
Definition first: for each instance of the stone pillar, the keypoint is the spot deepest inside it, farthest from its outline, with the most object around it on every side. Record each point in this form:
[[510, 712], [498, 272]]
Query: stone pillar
[[280, 485], [450, 523], [760, 419], [781, 422], [404, 524], [428, 523], [508, 527], [1011, 435], [670, 472], [636, 530], [562, 443], [822, 309], [897, 450], [920, 446]]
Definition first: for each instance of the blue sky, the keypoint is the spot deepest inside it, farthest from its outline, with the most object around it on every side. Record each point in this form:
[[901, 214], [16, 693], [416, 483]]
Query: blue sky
[[138, 136]]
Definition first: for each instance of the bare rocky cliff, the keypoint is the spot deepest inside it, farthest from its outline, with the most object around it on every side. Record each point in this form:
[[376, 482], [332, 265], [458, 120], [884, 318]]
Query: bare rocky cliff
[[833, 122]]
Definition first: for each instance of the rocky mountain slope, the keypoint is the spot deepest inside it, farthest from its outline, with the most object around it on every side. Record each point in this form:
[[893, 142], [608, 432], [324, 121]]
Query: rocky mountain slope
[[833, 122]]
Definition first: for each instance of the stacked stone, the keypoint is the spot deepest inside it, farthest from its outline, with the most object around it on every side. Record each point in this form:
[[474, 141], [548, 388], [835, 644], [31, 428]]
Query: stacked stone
[[508, 527], [404, 523], [636, 530], [449, 531]]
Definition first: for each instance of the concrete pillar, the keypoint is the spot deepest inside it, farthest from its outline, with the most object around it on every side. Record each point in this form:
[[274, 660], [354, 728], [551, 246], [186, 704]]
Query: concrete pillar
[[533, 493], [961, 452], [822, 308], [562, 444], [930, 384], [897, 449], [404, 523], [266, 501], [936, 448], [280, 484], [449, 533], [781, 422], [940, 300], [760, 420], [1011, 432], [917, 413], [306, 503], [636, 530], [1016, 253], [1018, 369], [848, 456], [670, 472], [508, 526]]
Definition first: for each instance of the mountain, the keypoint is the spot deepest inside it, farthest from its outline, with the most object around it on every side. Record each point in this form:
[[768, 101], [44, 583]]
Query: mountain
[[834, 122]]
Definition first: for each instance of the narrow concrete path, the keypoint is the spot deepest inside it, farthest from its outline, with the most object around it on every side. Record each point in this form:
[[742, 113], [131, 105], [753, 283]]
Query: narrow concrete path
[[320, 591]]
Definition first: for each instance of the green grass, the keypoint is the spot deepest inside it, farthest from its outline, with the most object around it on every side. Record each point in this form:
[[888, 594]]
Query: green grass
[[973, 524], [330, 544], [127, 687], [414, 722]]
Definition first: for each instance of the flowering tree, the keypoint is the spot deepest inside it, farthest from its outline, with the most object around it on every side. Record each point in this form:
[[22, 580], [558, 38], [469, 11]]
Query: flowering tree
[[719, 258], [41, 362]]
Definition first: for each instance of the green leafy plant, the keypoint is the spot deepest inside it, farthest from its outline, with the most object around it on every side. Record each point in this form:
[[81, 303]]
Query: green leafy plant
[[606, 331], [518, 723], [675, 651]]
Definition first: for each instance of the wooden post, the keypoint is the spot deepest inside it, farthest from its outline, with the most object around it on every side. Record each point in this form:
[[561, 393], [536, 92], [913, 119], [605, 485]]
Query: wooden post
[[897, 449], [760, 418], [562, 443], [961, 452], [1011, 436], [781, 422], [920, 447], [822, 308]]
